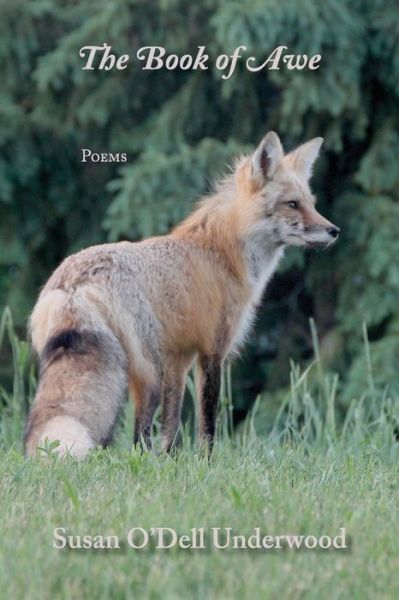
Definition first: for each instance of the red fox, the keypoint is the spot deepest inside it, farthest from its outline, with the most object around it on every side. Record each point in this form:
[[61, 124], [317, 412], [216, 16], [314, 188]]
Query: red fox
[[138, 315]]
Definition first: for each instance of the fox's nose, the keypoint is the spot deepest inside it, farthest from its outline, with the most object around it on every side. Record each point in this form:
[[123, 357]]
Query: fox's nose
[[333, 231]]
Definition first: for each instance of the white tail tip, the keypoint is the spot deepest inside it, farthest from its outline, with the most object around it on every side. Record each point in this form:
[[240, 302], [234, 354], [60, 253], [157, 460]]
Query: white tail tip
[[74, 437]]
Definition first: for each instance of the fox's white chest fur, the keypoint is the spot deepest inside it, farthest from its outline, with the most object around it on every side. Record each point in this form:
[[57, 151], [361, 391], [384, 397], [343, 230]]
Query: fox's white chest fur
[[262, 261]]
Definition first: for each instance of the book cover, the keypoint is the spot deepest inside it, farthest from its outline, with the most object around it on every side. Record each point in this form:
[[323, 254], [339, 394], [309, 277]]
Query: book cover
[[199, 284]]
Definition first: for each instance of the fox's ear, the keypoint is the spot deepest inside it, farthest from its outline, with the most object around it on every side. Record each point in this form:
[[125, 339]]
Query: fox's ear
[[266, 158], [302, 159]]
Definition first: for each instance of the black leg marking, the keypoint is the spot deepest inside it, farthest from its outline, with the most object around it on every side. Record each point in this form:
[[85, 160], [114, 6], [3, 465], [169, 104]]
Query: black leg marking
[[209, 388]]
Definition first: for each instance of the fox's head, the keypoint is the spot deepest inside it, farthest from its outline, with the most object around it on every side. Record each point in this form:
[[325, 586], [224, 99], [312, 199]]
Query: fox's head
[[277, 185]]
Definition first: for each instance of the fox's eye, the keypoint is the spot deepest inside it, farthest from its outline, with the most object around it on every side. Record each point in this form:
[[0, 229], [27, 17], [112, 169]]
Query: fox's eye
[[293, 204]]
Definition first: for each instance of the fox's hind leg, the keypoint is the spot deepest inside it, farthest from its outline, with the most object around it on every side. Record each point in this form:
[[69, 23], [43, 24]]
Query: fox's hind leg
[[166, 385], [172, 400], [146, 398], [173, 384]]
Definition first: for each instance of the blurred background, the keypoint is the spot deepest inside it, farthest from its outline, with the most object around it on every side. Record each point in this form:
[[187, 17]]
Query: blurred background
[[180, 130]]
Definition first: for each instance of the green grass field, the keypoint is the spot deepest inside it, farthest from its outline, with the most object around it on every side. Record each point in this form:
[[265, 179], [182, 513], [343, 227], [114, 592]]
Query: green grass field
[[311, 474]]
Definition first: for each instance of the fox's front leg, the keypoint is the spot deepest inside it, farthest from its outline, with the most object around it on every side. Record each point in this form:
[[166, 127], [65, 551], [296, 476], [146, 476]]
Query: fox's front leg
[[208, 387]]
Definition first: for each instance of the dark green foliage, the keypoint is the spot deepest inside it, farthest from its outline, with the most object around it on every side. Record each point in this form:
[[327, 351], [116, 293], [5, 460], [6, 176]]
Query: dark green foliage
[[179, 130]]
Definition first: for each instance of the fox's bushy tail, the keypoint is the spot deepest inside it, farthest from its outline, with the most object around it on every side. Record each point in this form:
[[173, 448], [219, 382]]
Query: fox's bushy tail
[[83, 379]]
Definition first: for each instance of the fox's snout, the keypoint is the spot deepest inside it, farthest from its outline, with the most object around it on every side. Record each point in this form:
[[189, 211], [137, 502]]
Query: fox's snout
[[317, 229], [333, 231]]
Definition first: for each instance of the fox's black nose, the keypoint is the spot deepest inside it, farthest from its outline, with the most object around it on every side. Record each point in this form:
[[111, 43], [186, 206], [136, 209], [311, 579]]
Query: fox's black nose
[[333, 231]]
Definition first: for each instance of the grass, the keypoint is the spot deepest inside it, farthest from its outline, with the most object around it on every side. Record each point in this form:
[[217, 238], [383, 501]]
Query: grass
[[312, 474]]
